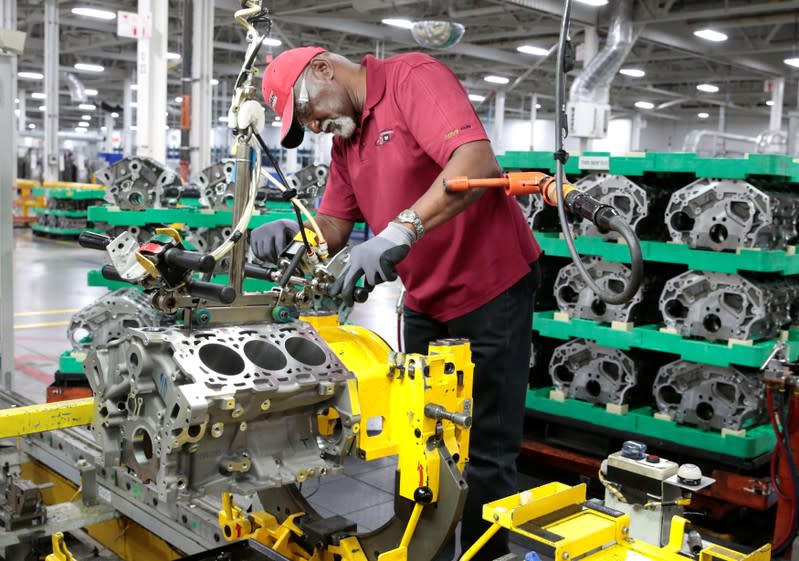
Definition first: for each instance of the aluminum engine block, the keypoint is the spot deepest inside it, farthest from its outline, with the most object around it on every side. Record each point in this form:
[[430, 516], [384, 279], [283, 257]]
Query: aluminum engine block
[[216, 185], [584, 370], [107, 318], [228, 408], [728, 214], [640, 206], [136, 183], [576, 298], [540, 216], [720, 306], [310, 181], [710, 397]]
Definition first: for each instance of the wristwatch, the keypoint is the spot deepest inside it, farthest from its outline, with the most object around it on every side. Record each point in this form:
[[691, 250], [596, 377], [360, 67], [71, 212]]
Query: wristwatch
[[409, 216]]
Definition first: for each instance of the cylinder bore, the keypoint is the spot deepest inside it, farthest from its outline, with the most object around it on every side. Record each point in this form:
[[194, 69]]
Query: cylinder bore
[[305, 351], [221, 359], [264, 355], [718, 233], [676, 309], [705, 411], [712, 323]]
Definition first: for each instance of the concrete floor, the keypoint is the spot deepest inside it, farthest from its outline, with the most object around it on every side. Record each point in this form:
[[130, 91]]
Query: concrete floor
[[50, 285]]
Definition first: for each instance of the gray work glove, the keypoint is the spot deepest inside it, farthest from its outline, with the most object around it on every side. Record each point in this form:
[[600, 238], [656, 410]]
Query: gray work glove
[[375, 260], [269, 240]]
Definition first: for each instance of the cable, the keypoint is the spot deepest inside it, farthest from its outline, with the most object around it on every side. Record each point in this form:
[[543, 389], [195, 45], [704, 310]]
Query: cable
[[560, 158], [296, 201], [783, 441]]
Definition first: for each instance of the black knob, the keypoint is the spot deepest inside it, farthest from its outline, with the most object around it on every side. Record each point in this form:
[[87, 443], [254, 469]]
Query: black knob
[[423, 495]]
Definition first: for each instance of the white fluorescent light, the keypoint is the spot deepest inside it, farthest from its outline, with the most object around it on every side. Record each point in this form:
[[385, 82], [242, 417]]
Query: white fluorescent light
[[271, 42], [31, 125], [709, 88], [277, 117], [80, 129], [134, 87], [792, 61], [115, 114], [222, 119], [83, 124], [172, 56], [477, 98], [16, 100], [538, 106], [593, 2], [496, 79], [86, 117], [90, 91], [87, 107], [214, 82], [94, 13], [530, 50], [38, 95], [86, 67], [134, 104], [710, 35], [275, 123], [16, 112], [644, 105], [30, 75], [633, 72], [179, 99], [703, 115], [397, 22], [769, 103], [133, 127], [42, 108], [103, 129]]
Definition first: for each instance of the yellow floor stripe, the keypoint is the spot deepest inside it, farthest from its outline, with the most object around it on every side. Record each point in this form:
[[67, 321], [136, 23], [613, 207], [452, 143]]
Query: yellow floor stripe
[[35, 325], [46, 312]]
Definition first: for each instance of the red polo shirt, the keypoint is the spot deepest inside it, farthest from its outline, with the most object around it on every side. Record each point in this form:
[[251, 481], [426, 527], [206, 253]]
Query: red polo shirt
[[415, 115]]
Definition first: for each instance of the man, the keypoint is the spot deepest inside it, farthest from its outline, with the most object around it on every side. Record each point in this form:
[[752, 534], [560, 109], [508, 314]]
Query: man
[[401, 126]]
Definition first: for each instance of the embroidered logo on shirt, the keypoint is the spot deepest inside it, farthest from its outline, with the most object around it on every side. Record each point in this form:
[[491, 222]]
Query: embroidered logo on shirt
[[384, 137], [456, 132]]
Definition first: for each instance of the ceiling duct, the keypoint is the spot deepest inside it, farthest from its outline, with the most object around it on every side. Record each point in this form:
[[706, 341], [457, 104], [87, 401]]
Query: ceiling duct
[[432, 34], [589, 108], [77, 92]]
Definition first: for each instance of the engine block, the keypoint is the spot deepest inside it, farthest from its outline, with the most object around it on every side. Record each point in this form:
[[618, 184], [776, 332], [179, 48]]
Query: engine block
[[227, 408], [710, 397], [137, 183], [589, 372], [727, 214], [720, 306]]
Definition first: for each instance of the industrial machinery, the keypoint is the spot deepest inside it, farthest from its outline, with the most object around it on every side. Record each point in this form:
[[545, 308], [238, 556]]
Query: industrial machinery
[[710, 397], [136, 183], [720, 306], [725, 215]]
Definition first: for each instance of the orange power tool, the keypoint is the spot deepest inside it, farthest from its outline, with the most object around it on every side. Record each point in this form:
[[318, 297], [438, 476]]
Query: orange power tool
[[530, 182]]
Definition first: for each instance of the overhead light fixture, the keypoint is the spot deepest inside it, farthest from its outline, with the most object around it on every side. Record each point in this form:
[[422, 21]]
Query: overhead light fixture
[[30, 75], [80, 129], [477, 98], [538, 106], [90, 91], [103, 129], [710, 35], [134, 87], [708, 88], [223, 119], [703, 115], [595, 3], [31, 126], [83, 124], [633, 72], [398, 22], [134, 104], [42, 108], [86, 117], [38, 95], [16, 112], [179, 99], [133, 127], [277, 117], [792, 61], [437, 34], [770, 102], [214, 82], [16, 100], [530, 50], [172, 56], [115, 115], [86, 67], [644, 105], [87, 107], [496, 79], [275, 123], [272, 42], [94, 13]]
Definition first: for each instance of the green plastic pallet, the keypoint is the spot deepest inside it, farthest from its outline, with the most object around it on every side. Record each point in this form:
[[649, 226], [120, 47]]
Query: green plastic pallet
[[754, 443], [650, 337], [75, 194], [71, 362], [96, 278], [57, 212], [60, 231], [700, 259], [192, 217], [638, 164]]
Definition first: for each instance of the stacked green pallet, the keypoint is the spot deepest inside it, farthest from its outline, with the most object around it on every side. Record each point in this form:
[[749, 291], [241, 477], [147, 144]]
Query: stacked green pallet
[[651, 167], [66, 212]]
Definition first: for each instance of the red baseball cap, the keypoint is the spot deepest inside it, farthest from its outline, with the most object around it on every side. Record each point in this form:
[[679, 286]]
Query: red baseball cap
[[278, 90]]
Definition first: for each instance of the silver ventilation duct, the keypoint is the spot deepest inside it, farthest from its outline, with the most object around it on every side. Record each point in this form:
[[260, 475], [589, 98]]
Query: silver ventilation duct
[[589, 108], [77, 92]]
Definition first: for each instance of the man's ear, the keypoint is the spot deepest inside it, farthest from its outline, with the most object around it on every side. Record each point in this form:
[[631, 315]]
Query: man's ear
[[322, 68]]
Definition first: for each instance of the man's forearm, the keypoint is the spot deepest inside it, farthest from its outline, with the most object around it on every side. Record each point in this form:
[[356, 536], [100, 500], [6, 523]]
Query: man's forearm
[[335, 231]]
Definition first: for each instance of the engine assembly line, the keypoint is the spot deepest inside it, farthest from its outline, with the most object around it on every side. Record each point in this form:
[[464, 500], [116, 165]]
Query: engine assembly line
[[233, 395]]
